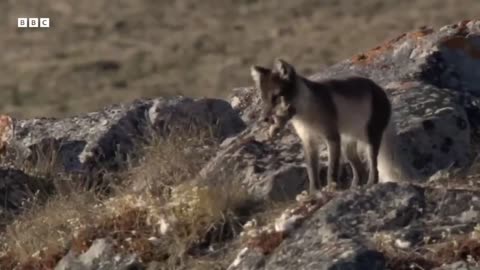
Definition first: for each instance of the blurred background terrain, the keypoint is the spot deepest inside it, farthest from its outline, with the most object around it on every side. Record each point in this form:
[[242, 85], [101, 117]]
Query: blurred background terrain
[[101, 52]]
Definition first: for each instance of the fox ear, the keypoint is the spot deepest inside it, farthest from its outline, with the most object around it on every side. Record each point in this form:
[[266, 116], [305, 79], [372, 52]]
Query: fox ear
[[283, 69], [259, 73]]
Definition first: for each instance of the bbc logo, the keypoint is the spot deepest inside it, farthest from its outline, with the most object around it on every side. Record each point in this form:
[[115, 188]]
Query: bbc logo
[[33, 22]]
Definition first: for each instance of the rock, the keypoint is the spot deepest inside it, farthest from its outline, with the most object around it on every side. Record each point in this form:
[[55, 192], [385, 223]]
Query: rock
[[242, 100], [105, 138], [248, 259], [266, 169], [349, 231], [18, 189], [432, 80], [100, 256], [433, 128]]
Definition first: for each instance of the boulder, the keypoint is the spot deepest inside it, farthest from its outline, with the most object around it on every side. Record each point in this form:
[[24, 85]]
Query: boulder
[[432, 78], [354, 229], [105, 138]]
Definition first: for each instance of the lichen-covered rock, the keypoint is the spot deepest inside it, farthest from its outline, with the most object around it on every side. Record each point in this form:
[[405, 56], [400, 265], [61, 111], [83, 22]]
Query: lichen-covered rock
[[104, 138], [352, 230], [433, 80], [432, 127]]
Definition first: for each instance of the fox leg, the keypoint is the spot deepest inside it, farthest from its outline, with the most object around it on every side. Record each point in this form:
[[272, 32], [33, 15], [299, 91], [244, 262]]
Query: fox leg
[[353, 159], [375, 139], [312, 160], [333, 146]]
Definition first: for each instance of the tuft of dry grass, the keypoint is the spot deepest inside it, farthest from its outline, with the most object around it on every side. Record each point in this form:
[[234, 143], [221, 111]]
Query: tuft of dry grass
[[169, 229], [48, 227], [158, 212], [171, 159]]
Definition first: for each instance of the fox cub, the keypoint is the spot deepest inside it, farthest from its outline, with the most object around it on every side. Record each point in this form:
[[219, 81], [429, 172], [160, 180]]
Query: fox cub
[[341, 112]]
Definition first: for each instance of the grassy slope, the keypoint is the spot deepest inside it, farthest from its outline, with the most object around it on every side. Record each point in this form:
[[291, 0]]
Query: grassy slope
[[99, 52]]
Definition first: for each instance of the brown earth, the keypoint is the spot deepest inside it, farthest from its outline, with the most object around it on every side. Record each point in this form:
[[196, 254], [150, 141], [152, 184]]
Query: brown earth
[[101, 52]]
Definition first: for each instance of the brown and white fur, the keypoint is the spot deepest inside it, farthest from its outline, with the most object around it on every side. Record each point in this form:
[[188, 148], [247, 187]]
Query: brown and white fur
[[338, 111]]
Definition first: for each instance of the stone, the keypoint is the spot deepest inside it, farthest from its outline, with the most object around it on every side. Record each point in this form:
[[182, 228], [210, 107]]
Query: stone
[[349, 231], [105, 138], [431, 77]]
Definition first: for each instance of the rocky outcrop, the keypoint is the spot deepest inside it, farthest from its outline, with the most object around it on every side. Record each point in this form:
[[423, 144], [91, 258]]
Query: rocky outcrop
[[79, 146], [353, 230], [104, 139], [432, 80]]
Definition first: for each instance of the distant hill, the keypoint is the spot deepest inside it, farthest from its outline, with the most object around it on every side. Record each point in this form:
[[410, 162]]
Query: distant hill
[[99, 52]]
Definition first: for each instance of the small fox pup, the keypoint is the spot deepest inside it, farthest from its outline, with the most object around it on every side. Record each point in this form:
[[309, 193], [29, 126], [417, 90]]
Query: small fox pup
[[338, 111]]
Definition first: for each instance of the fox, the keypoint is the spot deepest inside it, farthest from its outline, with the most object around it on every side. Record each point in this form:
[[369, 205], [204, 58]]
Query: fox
[[344, 113]]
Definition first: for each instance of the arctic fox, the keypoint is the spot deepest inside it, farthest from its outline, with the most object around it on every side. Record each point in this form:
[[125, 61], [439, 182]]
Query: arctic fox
[[349, 111]]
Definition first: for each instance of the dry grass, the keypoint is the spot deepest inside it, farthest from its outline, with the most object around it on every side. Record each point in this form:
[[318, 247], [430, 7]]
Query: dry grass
[[102, 52], [430, 255], [48, 228], [171, 159], [170, 219]]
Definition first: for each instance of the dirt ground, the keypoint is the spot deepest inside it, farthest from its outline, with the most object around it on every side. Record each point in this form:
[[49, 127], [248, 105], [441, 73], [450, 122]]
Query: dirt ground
[[101, 52]]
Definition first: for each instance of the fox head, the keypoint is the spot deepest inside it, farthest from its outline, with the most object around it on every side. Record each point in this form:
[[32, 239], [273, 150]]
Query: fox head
[[277, 90]]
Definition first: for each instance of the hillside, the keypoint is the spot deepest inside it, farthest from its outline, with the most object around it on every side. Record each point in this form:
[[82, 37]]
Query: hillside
[[102, 52]]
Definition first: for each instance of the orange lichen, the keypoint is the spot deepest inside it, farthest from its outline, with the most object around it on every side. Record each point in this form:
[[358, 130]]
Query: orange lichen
[[370, 55], [266, 242], [423, 31]]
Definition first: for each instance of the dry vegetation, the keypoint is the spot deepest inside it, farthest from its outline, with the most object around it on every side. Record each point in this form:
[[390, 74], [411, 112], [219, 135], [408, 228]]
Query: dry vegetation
[[433, 254], [100, 52], [157, 212]]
